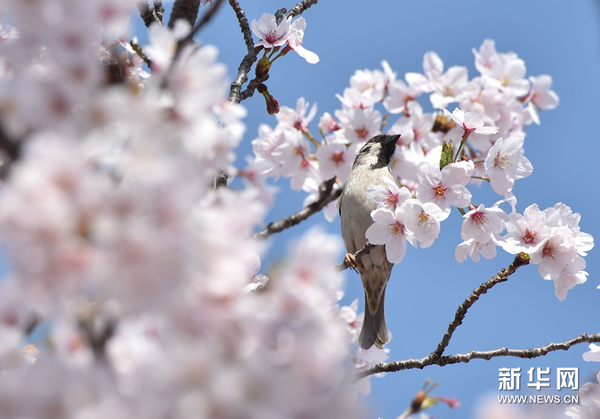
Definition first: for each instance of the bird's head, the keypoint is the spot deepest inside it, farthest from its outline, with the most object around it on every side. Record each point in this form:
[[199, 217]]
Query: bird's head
[[378, 151]]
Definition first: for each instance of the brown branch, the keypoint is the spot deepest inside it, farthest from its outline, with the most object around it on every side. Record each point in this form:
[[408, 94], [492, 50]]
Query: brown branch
[[147, 12], [248, 60], [184, 41], [279, 14], [140, 52], [11, 147], [205, 19], [487, 355], [365, 250], [300, 8], [436, 357], [326, 195], [520, 260], [184, 9], [159, 11]]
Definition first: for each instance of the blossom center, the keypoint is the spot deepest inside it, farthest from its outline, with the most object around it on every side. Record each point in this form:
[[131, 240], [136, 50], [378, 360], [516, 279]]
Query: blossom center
[[440, 191], [502, 161], [529, 236], [396, 229], [423, 217], [549, 250], [271, 35], [361, 132], [338, 157], [391, 199], [480, 219]]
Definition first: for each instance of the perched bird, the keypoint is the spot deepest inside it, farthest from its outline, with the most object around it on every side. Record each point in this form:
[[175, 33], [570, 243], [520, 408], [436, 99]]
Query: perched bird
[[370, 166]]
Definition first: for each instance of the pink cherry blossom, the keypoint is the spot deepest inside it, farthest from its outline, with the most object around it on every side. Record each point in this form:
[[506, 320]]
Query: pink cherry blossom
[[389, 229], [446, 188], [593, 354], [472, 248], [295, 39], [423, 220], [390, 196], [483, 223], [270, 33], [526, 233], [540, 96], [334, 160], [470, 122], [505, 163]]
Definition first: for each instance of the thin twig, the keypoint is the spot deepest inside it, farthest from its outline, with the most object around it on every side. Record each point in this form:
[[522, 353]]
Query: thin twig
[[520, 260], [326, 195], [300, 7], [147, 13], [466, 357], [365, 250], [279, 14], [140, 52], [184, 9]]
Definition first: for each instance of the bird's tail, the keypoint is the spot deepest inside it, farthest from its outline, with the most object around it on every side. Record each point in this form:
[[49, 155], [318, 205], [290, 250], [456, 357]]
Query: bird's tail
[[374, 330]]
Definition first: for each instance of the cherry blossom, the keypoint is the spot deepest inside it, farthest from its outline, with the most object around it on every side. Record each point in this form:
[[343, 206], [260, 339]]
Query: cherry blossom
[[589, 406], [473, 249], [334, 160], [390, 197], [297, 118], [483, 223], [295, 39], [540, 96], [593, 354], [270, 33], [470, 122], [446, 187], [527, 232], [505, 163], [423, 220], [389, 229]]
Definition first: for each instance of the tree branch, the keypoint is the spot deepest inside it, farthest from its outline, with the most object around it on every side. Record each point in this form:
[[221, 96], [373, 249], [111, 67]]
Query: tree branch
[[300, 7], [159, 11], [12, 149], [184, 41], [436, 358], [140, 52], [248, 60], [520, 260], [205, 19], [326, 195], [487, 355], [147, 12], [184, 9]]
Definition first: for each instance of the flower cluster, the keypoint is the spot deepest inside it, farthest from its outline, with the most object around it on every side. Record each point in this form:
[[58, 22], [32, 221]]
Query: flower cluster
[[437, 156], [139, 269]]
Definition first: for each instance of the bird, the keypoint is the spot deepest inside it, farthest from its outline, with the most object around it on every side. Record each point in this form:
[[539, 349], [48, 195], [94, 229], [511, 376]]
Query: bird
[[371, 164]]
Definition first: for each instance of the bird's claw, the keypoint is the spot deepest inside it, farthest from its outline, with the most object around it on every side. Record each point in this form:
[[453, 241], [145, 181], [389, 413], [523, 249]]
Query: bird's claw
[[351, 261]]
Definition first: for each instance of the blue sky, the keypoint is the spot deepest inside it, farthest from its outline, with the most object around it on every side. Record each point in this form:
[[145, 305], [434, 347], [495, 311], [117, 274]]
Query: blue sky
[[553, 37]]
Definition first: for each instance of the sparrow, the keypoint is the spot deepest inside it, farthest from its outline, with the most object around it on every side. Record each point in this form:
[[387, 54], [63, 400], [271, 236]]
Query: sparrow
[[370, 166]]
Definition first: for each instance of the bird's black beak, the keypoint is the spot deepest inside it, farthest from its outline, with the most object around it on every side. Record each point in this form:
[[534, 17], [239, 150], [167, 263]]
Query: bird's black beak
[[390, 146], [392, 139]]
